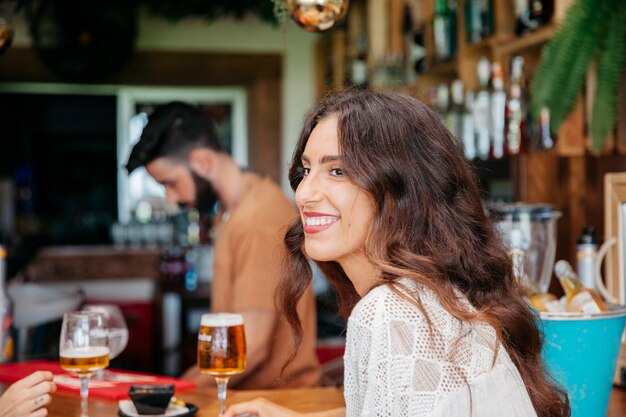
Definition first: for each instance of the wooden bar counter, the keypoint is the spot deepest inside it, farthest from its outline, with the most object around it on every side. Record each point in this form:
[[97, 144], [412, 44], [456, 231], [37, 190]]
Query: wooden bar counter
[[303, 400]]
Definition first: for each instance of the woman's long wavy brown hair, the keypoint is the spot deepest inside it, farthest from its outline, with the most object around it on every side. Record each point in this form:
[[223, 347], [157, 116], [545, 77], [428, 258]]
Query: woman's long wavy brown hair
[[430, 226]]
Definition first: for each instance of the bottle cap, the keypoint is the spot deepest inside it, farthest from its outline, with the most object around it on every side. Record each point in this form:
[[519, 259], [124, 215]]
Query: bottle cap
[[588, 235]]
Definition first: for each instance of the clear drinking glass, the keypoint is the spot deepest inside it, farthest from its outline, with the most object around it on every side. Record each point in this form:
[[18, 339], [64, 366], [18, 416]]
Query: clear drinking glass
[[117, 331], [83, 348], [221, 349]]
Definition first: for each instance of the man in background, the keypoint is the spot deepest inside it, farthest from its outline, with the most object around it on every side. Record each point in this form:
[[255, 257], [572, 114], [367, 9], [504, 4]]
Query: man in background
[[180, 149]]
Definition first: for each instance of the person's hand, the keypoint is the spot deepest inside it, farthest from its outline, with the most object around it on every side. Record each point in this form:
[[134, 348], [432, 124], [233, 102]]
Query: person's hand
[[259, 408], [28, 396]]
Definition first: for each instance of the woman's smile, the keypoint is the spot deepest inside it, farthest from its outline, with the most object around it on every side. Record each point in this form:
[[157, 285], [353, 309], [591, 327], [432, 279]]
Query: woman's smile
[[317, 222]]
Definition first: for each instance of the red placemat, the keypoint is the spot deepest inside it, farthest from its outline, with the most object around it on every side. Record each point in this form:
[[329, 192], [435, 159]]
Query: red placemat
[[115, 388]]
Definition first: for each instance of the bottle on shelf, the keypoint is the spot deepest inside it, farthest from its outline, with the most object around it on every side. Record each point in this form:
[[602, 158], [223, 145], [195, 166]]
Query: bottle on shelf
[[478, 20], [358, 68], [586, 251], [578, 297], [7, 344], [498, 109], [409, 48], [530, 15], [540, 12], [442, 100], [469, 139], [454, 115], [522, 13], [545, 139], [516, 109], [482, 114], [444, 29]]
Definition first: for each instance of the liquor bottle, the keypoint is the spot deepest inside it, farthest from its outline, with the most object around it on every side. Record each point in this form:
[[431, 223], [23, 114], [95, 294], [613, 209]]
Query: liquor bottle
[[545, 139], [578, 297], [540, 12], [473, 24], [358, 68], [498, 107], [532, 14], [482, 114], [522, 14], [454, 115], [7, 345], [469, 137], [444, 29], [478, 19], [515, 109], [586, 251], [442, 101], [486, 18]]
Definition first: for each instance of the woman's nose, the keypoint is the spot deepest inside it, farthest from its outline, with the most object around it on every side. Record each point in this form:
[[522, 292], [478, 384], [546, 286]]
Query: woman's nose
[[309, 189]]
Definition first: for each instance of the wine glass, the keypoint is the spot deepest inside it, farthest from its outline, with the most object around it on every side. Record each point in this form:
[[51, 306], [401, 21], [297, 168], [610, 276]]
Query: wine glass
[[117, 331], [83, 348], [221, 349]]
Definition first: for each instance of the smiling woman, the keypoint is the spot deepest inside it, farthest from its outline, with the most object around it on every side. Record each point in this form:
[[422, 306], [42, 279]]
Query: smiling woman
[[391, 212]]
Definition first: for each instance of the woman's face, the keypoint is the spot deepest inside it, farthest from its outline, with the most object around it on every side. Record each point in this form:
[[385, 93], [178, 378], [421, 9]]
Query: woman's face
[[335, 212]]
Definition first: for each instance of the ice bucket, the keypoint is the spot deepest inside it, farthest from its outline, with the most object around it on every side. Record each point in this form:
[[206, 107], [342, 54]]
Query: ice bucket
[[580, 351]]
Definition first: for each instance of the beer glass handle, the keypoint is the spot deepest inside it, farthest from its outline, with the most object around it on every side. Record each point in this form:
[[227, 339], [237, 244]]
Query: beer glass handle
[[598, 270]]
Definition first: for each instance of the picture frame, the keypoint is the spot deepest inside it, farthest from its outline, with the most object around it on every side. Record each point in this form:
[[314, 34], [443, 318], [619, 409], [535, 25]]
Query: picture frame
[[615, 228], [615, 258]]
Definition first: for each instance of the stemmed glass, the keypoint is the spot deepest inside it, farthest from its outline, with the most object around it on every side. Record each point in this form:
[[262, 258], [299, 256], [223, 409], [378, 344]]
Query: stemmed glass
[[221, 349], [83, 348], [117, 330]]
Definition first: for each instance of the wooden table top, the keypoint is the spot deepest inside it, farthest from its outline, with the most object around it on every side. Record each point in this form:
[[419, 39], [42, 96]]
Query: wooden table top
[[304, 400]]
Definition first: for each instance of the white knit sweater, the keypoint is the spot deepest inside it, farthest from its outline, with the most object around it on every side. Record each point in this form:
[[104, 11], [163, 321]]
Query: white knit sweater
[[394, 367]]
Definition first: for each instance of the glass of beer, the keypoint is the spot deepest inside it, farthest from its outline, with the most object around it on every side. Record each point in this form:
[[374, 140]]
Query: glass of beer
[[83, 348], [221, 349], [117, 330]]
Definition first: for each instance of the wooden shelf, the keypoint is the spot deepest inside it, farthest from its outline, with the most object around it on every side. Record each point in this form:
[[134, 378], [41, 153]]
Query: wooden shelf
[[481, 47], [443, 68], [519, 44]]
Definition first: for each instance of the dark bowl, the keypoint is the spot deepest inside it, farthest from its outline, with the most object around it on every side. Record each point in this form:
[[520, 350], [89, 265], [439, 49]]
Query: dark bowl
[[151, 399]]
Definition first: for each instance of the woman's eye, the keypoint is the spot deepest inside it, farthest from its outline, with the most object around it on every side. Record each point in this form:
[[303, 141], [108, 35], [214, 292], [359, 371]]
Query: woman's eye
[[337, 172], [305, 171]]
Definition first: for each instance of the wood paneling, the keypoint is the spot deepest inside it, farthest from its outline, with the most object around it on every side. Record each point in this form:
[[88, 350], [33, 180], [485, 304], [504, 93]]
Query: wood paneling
[[574, 185], [259, 73], [87, 263]]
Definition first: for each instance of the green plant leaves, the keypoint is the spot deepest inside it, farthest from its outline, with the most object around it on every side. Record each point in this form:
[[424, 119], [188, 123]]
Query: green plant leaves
[[591, 30], [610, 67]]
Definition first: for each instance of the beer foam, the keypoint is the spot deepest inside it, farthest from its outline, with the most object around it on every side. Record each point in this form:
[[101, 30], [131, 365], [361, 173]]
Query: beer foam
[[221, 319], [88, 352]]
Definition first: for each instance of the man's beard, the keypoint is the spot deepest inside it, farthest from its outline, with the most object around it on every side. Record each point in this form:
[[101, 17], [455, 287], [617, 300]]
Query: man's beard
[[206, 197]]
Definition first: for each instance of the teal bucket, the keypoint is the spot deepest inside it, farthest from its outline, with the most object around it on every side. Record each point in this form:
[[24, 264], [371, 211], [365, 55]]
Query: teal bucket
[[581, 351]]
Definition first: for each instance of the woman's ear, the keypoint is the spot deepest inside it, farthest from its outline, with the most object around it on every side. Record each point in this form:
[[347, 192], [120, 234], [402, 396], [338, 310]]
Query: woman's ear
[[201, 161]]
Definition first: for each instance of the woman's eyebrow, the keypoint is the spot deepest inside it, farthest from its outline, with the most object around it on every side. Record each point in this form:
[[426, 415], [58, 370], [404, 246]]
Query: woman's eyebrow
[[329, 158]]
